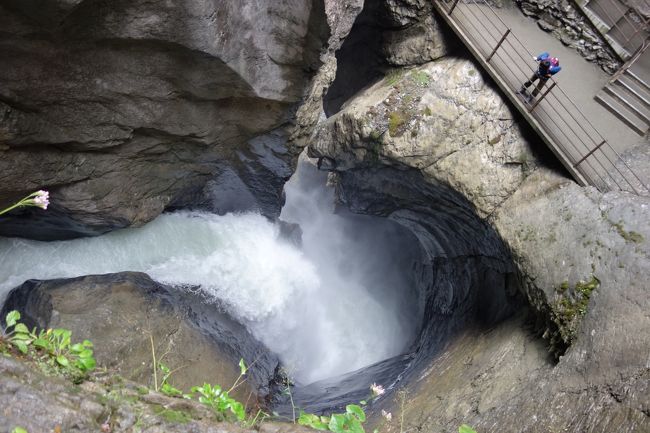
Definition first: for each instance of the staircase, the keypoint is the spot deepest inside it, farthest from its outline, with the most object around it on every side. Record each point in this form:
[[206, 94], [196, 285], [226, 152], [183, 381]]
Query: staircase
[[628, 97]]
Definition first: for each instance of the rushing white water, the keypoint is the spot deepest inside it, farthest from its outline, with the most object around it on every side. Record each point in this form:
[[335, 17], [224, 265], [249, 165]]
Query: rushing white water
[[324, 310]]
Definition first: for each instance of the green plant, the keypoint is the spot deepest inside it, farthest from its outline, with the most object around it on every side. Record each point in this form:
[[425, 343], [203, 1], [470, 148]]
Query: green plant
[[257, 419], [630, 236], [220, 401], [394, 76], [165, 387], [572, 305], [466, 429], [173, 416], [421, 78], [395, 121], [39, 199], [287, 391], [19, 430], [52, 346], [349, 422]]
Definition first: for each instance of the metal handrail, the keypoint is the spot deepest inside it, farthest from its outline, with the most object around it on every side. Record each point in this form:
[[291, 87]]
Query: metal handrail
[[594, 152]]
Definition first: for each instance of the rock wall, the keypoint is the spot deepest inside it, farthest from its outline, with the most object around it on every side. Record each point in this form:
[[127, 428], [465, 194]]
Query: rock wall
[[402, 148], [124, 108], [366, 42]]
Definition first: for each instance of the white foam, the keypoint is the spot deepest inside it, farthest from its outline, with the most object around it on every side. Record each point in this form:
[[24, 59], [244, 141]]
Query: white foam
[[313, 308]]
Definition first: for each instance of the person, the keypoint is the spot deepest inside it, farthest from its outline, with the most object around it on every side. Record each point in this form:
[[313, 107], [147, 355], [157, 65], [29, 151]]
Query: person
[[547, 67]]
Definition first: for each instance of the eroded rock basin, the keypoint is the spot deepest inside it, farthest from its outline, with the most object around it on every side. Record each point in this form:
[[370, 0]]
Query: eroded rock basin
[[362, 300]]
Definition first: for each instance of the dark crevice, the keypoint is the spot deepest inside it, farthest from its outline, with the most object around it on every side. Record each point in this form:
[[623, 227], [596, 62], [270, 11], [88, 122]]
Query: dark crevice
[[359, 61]]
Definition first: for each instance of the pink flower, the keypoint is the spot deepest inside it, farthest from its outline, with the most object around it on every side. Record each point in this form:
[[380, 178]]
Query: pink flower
[[376, 390], [41, 199]]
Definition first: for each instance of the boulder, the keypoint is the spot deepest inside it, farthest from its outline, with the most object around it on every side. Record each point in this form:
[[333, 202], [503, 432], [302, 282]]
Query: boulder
[[130, 319]]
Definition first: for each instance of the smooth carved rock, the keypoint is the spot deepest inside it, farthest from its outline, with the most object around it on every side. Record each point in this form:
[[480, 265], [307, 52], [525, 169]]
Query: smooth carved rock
[[458, 134], [121, 314], [443, 126], [124, 108]]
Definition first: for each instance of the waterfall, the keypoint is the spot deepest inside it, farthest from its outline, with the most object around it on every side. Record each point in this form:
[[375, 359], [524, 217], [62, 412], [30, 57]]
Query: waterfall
[[336, 304]]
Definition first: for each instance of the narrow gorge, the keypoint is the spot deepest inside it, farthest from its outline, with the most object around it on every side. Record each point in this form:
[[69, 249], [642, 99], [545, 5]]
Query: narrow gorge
[[332, 191]]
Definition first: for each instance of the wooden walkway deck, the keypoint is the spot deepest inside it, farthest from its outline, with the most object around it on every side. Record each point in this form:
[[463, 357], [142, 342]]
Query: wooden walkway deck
[[584, 152]]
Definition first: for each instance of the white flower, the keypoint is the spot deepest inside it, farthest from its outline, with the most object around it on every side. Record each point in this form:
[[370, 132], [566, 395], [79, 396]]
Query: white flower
[[41, 199], [386, 415], [377, 390]]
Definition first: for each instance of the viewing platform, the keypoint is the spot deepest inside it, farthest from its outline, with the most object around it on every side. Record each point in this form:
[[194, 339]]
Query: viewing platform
[[565, 128]]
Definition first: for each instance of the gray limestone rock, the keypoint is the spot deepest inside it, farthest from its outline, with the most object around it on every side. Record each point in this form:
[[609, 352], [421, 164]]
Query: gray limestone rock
[[581, 256], [107, 403], [125, 314], [122, 109]]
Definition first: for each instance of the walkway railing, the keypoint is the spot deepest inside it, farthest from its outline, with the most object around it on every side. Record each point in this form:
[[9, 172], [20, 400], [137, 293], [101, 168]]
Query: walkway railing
[[567, 131]]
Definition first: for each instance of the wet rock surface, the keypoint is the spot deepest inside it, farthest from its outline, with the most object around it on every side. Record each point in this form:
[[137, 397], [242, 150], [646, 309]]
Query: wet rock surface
[[435, 148], [125, 314], [579, 255], [122, 109]]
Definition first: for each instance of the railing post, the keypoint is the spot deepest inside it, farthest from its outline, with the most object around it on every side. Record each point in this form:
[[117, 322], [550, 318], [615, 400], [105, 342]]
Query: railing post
[[453, 6], [503, 38], [589, 154], [530, 110]]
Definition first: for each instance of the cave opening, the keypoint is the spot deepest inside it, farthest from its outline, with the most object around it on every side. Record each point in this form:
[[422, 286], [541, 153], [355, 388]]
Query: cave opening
[[359, 60]]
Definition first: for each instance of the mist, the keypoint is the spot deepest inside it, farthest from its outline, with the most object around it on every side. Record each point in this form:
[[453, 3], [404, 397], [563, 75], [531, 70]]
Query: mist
[[341, 301]]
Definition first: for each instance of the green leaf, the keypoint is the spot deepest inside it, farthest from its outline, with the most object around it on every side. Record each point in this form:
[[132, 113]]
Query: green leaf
[[21, 328], [238, 409], [42, 343], [12, 318], [19, 430], [87, 344], [169, 390], [62, 361], [338, 423], [354, 425], [86, 353], [21, 346], [85, 364], [76, 348], [242, 366], [356, 410], [311, 420], [466, 429]]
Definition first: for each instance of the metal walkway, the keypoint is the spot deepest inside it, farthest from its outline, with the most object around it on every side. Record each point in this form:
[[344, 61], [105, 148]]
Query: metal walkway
[[584, 152]]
